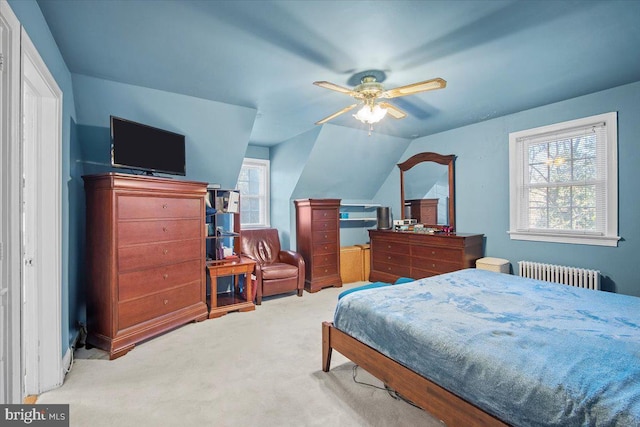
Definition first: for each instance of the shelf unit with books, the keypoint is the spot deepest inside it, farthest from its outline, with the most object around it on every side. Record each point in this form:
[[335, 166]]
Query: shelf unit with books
[[222, 219], [225, 266]]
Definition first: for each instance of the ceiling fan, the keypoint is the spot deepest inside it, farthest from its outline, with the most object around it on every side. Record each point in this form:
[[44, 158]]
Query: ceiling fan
[[370, 90]]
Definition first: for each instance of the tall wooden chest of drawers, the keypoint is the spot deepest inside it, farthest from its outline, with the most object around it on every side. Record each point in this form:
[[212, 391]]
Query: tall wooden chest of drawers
[[145, 258], [318, 241], [416, 255]]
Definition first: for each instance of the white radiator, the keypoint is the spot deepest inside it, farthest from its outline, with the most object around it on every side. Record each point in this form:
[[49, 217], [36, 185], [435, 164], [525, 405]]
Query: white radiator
[[579, 277]]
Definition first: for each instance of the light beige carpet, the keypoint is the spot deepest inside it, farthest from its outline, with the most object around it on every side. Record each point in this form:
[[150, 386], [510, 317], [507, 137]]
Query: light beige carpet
[[260, 368]]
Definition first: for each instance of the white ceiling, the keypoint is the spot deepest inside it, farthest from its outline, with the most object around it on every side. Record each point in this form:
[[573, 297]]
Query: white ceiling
[[498, 57]]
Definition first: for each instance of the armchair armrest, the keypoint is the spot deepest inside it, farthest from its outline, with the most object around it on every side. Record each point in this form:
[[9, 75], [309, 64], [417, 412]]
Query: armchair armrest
[[293, 258]]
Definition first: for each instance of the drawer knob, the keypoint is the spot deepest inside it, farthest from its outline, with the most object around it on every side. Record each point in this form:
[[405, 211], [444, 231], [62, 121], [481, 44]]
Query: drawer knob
[[164, 229], [165, 276], [433, 265], [165, 251], [164, 206], [389, 257], [166, 302]]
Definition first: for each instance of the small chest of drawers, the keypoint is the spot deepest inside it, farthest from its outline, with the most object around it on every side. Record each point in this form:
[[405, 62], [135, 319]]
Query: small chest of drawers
[[318, 241], [145, 258]]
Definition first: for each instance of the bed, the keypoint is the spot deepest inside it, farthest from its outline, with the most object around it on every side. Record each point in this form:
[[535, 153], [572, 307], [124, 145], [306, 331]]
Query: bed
[[474, 347]]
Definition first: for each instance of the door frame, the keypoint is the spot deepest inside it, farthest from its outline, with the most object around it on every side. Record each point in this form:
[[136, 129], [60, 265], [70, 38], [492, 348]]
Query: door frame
[[42, 226], [10, 171]]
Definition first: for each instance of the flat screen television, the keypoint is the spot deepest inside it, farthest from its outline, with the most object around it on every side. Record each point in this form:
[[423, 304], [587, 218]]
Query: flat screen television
[[146, 148]]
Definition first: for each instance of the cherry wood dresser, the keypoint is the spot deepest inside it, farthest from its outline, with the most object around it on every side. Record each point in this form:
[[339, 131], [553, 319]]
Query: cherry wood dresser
[[318, 241], [416, 255], [145, 258]]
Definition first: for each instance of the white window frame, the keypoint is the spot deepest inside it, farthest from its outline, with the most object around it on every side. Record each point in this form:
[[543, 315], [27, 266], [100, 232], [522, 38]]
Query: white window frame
[[518, 167], [264, 196]]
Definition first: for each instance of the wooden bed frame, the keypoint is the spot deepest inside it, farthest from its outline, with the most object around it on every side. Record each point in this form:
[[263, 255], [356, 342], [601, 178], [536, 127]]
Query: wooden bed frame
[[429, 396]]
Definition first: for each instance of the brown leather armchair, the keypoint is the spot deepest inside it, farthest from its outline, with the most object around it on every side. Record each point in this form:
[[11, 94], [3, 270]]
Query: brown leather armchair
[[277, 271]]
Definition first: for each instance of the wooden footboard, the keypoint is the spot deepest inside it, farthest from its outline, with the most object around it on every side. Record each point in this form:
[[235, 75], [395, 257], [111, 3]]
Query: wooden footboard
[[429, 396]]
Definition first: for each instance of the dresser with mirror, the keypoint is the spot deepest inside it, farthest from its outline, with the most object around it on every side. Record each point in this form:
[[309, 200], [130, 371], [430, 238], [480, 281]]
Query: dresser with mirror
[[427, 192]]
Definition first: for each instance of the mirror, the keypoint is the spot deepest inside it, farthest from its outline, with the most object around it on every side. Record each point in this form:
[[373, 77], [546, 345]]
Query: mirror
[[427, 191]]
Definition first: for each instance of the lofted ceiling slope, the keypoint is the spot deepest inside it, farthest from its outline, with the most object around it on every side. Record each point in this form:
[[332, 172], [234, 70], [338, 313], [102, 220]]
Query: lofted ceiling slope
[[498, 57]]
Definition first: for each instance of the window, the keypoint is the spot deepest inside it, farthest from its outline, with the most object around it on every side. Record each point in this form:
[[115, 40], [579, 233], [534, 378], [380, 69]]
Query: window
[[564, 182], [253, 184]]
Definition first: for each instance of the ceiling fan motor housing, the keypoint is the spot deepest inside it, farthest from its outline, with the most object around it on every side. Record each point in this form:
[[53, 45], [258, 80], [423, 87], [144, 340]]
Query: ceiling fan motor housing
[[369, 88]]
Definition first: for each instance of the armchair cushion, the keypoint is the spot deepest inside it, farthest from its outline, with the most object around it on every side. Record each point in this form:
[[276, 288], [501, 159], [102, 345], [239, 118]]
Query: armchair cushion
[[279, 270]]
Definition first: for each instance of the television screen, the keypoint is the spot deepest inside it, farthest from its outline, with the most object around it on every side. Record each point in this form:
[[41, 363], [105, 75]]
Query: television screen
[[142, 147]]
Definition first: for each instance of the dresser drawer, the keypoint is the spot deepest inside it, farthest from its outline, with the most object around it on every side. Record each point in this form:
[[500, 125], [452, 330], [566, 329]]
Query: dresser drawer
[[436, 266], [134, 232], [136, 207], [325, 248], [329, 269], [437, 253], [390, 257], [320, 226], [401, 270], [143, 282], [325, 237], [138, 310], [324, 215], [157, 254], [390, 246], [417, 273], [330, 258]]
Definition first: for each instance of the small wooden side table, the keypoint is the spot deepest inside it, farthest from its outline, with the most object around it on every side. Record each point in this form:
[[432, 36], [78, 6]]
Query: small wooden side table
[[221, 304]]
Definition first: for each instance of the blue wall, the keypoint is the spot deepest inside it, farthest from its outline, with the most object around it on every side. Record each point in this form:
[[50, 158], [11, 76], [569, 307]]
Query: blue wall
[[257, 152], [330, 161], [217, 134], [482, 184]]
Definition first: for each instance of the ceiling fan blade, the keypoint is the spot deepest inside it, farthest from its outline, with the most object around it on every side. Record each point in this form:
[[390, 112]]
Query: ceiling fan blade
[[432, 84], [334, 115], [393, 111], [333, 86]]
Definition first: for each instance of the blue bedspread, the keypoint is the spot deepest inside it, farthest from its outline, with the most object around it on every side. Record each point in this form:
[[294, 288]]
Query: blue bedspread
[[531, 353]]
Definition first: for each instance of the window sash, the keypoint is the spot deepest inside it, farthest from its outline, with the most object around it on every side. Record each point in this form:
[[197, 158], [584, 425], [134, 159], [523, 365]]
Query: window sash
[[253, 183], [543, 187], [564, 215]]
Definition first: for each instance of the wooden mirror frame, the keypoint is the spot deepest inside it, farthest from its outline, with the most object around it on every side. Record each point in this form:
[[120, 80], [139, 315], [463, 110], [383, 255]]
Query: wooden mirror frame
[[446, 160]]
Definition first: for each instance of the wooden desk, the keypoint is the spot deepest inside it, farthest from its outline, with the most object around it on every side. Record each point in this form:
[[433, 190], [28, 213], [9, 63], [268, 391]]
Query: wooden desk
[[221, 304]]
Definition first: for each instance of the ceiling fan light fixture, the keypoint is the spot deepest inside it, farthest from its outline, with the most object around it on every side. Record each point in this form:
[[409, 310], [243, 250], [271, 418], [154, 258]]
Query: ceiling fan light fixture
[[370, 114], [370, 90]]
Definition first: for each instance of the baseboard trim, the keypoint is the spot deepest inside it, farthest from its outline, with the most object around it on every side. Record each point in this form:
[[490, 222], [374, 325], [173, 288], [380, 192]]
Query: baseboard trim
[[67, 360]]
